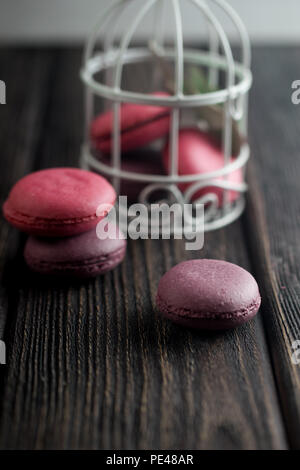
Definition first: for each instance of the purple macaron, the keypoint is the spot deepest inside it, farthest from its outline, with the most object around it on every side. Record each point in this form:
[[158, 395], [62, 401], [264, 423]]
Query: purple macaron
[[208, 294], [80, 256]]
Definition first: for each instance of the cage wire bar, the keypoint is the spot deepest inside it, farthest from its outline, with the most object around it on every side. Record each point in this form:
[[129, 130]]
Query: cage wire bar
[[234, 98]]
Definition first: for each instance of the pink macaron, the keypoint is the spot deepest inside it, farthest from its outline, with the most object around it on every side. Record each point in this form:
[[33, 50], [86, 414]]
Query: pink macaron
[[58, 202], [208, 294], [139, 124], [199, 154]]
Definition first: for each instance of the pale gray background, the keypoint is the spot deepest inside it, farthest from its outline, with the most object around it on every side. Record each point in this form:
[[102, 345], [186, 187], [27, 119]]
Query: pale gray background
[[27, 21]]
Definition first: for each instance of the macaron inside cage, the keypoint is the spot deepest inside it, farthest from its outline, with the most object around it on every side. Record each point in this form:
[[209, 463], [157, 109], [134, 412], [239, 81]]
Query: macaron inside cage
[[200, 87]]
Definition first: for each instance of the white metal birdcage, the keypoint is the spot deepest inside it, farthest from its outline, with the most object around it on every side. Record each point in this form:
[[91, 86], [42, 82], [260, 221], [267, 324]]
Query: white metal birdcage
[[217, 58]]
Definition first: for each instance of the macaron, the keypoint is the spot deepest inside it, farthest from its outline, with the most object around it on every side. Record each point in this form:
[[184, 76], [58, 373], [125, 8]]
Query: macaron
[[58, 202], [208, 294], [198, 153], [80, 256], [139, 124], [145, 161]]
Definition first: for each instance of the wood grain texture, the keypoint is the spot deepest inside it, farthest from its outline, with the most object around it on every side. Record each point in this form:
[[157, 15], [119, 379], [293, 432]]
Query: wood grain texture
[[27, 77], [274, 211], [92, 364]]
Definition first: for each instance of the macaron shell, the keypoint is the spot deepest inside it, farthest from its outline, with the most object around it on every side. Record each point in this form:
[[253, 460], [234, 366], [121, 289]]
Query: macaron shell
[[82, 255], [139, 124], [198, 154], [208, 294], [58, 201]]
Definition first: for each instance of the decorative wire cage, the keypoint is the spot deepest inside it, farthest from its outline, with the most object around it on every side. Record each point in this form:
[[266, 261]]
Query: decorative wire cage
[[229, 82]]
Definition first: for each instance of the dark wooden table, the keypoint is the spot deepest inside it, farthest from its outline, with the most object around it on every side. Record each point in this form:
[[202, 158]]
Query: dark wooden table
[[92, 365]]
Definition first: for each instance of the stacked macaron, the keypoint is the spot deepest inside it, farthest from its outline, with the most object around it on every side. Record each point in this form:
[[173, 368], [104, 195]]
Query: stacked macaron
[[198, 153], [58, 208], [140, 125]]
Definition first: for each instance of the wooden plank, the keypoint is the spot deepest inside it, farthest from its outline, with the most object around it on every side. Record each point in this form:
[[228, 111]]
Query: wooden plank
[[26, 74], [272, 220], [93, 365]]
